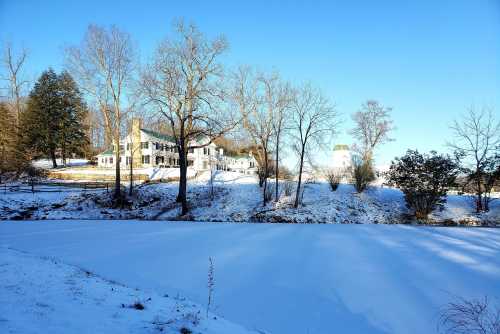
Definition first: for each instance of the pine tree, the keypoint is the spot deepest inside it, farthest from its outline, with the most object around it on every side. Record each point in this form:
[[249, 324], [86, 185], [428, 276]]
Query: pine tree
[[40, 123], [53, 121], [72, 135]]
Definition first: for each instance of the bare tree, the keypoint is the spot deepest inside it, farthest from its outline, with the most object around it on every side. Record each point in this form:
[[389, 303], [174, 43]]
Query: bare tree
[[314, 121], [277, 99], [184, 85], [256, 107], [13, 66], [477, 142], [373, 125], [104, 65]]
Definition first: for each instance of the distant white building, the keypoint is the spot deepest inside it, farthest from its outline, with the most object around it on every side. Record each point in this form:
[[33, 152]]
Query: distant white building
[[341, 158], [146, 148]]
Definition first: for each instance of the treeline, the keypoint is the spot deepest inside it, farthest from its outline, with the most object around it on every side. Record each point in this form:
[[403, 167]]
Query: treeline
[[47, 121]]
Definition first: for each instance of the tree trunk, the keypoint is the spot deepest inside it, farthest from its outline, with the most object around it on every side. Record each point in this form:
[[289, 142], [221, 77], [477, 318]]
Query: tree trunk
[[277, 169], [130, 190], [296, 203], [53, 158], [181, 197], [117, 194], [479, 201], [264, 188]]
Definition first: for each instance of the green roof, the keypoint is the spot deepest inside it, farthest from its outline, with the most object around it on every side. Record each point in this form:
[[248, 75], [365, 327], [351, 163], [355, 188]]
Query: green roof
[[341, 147], [158, 135], [235, 155], [108, 152]]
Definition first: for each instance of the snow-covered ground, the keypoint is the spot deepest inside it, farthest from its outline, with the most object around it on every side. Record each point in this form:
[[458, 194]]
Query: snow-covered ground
[[47, 163], [237, 198], [44, 295], [281, 278]]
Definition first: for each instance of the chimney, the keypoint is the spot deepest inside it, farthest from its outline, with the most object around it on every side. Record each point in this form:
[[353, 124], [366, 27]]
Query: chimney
[[136, 142]]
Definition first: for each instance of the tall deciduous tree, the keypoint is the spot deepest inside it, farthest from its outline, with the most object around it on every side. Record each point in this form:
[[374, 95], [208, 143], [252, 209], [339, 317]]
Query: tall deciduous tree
[[477, 141], [104, 66], [184, 85], [373, 124], [15, 84], [314, 121], [278, 96], [7, 141], [255, 102]]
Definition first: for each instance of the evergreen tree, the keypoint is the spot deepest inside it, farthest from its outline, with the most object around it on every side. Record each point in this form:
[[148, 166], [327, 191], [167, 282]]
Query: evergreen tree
[[53, 121], [72, 135], [424, 179]]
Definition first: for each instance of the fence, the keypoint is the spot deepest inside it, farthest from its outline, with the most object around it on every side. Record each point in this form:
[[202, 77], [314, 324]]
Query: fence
[[54, 187]]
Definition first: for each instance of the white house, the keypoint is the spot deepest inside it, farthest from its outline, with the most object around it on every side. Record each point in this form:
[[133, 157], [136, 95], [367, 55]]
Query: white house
[[241, 163], [146, 148]]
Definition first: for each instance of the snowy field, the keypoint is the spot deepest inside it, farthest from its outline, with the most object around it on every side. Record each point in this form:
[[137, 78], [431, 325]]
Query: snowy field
[[278, 278]]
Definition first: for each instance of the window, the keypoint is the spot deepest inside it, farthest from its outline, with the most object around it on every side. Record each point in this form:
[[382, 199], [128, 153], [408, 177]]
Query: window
[[145, 159], [160, 160], [191, 150], [102, 160], [145, 145], [110, 160], [121, 147]]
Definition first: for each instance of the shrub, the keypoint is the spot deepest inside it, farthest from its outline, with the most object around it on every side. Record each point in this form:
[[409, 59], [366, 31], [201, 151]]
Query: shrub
[[288, 188], [333, 179], [185, 330], [362, 173], [424, 179], [470, 316]]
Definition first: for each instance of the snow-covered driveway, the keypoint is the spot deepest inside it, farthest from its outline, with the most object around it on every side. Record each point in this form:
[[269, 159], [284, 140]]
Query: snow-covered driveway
[[285, 278]]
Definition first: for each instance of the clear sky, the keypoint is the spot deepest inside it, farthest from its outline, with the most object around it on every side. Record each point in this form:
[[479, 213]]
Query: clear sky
[[427, 59]]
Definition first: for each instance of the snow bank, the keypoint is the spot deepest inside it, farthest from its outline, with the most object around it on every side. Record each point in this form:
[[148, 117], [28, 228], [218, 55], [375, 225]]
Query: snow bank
[[47, 164], [44, 295]]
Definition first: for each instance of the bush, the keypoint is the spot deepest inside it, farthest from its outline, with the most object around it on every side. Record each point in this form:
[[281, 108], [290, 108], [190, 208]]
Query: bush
[[424, 179], [470, 316], [333, 179], [362, 173], [288, 188]]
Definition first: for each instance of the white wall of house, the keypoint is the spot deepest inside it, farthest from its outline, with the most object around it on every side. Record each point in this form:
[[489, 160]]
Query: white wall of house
[[159, 152]]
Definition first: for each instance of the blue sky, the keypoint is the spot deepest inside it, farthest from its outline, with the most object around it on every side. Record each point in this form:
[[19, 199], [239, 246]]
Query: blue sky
[[429, 60]]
